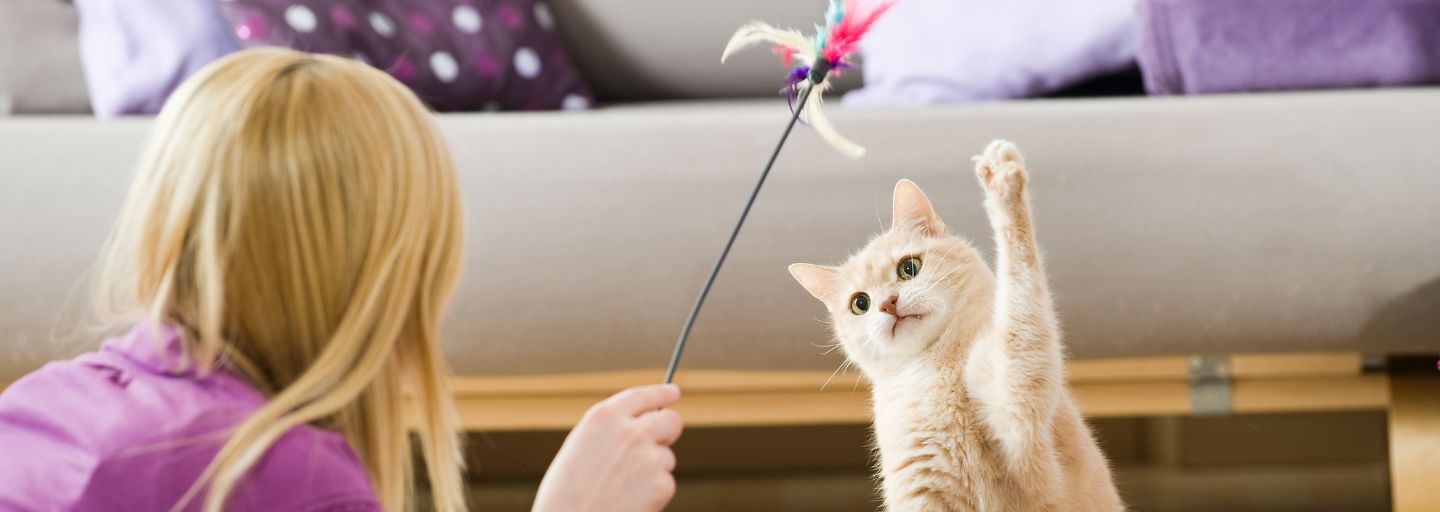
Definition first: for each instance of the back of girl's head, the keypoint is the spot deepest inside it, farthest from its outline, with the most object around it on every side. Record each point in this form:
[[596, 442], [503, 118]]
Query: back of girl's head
[[296, 217]]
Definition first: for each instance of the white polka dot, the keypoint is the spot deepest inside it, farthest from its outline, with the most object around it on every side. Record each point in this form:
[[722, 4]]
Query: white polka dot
[[361, 57], [382, 24], [574, 102], [543, 17], [467, 19], [527, 63], [444, 66], [300, 18], [491, 106]]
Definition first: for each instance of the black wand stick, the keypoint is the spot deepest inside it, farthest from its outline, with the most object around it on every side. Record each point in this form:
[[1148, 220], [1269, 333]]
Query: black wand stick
[[816, 76]]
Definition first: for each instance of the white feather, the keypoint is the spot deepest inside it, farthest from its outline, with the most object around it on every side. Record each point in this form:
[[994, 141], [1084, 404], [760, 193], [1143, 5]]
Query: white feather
[[757, 32], [814, 115]]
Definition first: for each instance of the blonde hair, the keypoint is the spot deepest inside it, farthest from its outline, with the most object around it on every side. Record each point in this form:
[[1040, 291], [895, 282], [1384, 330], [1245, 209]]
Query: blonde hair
[[296, 216]]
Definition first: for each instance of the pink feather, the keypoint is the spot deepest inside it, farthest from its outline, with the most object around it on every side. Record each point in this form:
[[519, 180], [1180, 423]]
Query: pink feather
[[846, 35], [785, 53]]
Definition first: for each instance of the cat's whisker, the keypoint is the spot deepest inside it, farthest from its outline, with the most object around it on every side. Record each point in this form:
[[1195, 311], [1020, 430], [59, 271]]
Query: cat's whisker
[[829, 347], [941, 279], [834, 373], [877, 215], [947, 254], [933, 283]]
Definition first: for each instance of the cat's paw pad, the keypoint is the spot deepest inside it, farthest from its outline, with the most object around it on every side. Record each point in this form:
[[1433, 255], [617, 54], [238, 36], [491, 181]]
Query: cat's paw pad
[[1001, 169]]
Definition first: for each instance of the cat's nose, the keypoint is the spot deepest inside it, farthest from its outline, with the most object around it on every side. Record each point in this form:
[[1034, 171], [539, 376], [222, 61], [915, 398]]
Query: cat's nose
[[890, 305]]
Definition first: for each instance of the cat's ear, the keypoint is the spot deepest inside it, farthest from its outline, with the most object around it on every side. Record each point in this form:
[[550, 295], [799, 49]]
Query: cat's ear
[[912, 210], [819, 280]]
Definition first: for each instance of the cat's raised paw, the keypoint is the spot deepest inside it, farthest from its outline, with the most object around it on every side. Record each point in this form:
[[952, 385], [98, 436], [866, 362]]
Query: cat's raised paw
[[1001, 169]]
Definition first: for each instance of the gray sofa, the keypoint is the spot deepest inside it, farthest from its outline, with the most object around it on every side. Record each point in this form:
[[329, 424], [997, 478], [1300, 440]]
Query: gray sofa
[[1172, 226]]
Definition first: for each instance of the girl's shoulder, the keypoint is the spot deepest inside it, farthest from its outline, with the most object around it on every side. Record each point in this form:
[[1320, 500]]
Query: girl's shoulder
[[101, 428]]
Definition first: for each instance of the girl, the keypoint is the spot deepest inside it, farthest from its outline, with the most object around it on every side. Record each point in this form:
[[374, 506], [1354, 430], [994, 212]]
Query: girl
[[284, 258]]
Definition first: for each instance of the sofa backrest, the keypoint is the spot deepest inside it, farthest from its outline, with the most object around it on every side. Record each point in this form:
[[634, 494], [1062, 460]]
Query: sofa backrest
[[630, 50], [40, 58], [663, 49]]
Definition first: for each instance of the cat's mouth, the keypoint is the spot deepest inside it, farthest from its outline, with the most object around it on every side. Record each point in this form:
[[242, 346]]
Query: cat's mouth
[[904, 320]]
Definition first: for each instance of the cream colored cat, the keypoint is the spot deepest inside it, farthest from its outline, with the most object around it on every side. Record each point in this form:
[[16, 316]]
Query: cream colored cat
[[971, 406]]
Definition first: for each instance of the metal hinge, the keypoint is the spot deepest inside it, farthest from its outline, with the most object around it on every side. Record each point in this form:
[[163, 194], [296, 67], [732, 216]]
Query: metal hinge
[[1210, 385]]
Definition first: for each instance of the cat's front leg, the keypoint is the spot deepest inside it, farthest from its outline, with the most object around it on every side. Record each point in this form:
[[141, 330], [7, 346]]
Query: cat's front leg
[[1015, 371], [918, 485], [1001, 170], [1023, 307], [911, 498]]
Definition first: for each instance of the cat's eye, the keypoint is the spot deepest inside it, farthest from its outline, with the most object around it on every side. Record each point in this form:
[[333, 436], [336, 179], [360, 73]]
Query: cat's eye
[[860, 303], [908, 268]]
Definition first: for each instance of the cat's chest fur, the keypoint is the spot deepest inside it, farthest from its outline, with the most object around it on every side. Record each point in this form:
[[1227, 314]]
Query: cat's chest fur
[[933, 442]]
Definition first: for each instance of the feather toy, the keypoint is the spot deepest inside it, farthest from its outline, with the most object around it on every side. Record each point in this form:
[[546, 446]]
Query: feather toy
[[829, 50], [811, 61]]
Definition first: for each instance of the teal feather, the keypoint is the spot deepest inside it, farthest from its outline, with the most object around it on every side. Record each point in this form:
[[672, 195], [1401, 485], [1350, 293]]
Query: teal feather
[[833, 16], [820, 35], [835, 13]]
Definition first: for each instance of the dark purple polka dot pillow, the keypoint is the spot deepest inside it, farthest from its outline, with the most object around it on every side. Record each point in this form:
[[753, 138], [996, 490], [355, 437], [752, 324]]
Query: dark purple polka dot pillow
[[456, 55]]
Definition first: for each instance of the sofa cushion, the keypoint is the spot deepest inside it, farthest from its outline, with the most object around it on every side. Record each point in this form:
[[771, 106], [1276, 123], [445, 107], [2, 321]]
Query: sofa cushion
[[1247, 223]]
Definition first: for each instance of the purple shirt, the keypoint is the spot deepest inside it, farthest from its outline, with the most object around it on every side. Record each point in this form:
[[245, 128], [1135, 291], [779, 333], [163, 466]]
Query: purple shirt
[[118, 429]]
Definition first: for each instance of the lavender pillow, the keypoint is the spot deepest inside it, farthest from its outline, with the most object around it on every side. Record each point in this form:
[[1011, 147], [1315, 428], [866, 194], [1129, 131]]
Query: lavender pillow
[[455, 54], [1223, 46], [927, 52], [135, 52]]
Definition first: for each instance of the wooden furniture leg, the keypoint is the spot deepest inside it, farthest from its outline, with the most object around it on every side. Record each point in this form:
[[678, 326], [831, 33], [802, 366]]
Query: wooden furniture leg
[[1415, 442]]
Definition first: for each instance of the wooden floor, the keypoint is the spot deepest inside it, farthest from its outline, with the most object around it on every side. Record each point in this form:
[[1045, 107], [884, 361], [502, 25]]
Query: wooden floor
[[1262, 489], [1162, 389], [1272, 462]]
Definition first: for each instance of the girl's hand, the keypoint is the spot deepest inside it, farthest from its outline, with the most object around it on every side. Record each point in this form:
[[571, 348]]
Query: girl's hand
[[618, 457]]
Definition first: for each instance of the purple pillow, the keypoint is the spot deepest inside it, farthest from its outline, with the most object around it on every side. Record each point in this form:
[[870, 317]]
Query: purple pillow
[[455, 54], [929, 52], [135, 52], [1225, 46]]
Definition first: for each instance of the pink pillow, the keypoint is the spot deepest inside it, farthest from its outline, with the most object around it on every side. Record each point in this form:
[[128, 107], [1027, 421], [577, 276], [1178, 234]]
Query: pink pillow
[[455, 54]]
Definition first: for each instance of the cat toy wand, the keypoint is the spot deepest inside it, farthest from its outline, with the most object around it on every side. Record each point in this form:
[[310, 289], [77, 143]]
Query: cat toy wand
[[812, 62]]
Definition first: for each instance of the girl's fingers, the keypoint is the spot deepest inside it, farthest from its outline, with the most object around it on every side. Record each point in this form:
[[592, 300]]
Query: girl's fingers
[[641, 399], [667, 459], [663, 426]]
